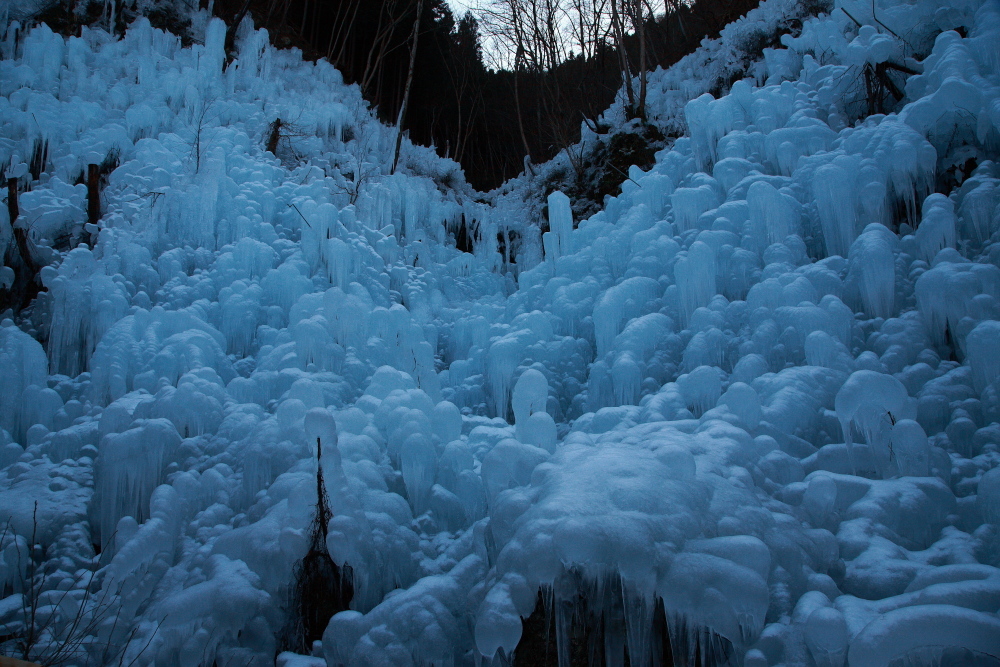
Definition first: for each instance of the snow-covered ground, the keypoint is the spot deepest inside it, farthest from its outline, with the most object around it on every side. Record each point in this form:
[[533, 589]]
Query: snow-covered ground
[[761, 386]]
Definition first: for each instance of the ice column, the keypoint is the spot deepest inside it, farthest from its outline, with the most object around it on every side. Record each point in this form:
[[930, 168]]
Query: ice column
[[560, 225], [695, 276], [833, 190], [529, 396]]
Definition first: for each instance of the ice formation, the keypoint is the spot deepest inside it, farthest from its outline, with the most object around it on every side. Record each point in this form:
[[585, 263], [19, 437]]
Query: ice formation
[[749, 409]]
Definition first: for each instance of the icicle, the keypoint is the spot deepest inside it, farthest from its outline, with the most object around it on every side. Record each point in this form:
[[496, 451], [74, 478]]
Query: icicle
[[983, 344], [626, 378], [129, 467], [772, 213], [872, 262], [873, 402], [701, 388], [695, 276], [618, 304]]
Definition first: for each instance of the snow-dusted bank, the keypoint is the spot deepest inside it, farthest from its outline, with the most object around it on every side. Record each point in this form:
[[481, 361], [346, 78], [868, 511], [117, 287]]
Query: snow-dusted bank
[[752, 405]]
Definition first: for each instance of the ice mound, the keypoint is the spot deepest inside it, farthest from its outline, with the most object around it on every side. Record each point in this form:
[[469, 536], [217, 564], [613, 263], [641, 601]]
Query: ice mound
[[640, 504]]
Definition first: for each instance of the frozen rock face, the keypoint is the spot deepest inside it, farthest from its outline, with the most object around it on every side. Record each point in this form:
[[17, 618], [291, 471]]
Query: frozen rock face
[[749, 409]]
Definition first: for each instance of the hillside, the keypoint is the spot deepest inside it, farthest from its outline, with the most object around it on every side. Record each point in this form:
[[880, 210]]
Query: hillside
[[745, 409]]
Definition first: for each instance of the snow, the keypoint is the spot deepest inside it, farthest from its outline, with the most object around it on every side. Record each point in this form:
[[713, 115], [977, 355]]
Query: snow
[[759, 388]]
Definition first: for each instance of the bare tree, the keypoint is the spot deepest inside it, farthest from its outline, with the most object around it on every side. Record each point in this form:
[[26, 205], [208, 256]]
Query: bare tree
[[588, 24], [409, 82], [391, 14], [619, 32], [466, 75], [230, 43], [505, 21], [363, 167], [201, 124], [636, 12], [540, 39], [20, 257], [536, 37], [55, 626], [343, 23]]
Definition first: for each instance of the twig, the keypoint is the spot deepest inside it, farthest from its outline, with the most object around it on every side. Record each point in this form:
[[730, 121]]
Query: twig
[[608, 163], [891, 31], [300, 215], [856, 22]]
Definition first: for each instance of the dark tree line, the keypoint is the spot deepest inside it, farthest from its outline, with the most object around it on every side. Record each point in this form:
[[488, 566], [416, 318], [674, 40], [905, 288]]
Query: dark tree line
[[488, 118]]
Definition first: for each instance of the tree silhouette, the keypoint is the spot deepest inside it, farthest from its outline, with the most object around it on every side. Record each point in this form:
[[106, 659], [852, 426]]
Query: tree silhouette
[[321, 587]]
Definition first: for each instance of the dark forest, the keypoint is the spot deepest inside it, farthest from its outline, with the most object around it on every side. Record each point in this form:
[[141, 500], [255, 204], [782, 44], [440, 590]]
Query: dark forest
[[488, 118]]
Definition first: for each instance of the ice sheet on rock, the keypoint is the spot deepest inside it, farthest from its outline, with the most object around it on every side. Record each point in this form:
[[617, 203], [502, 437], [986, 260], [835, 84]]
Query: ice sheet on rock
[[773, 214], [560, 226], [989, 496], [826, 636], [983, 347], [910, 448], [695, 276], [231, 591], [87, 303], [618, 304], [832, 187], [530, 395], [700, 388], [743, 402], [937, 226], [44, 499]]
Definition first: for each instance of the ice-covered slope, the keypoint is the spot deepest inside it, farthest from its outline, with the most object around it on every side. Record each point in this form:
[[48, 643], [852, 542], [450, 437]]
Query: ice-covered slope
[[750, 409]]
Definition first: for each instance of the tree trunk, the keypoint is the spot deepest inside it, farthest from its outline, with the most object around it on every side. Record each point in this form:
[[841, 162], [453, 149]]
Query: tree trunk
[[640, 29], [517, 105], [273, 137], [19, 257], [409, 82], [93, 194], [20, 233], [12, 209], [616, 25], [230, 45]]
